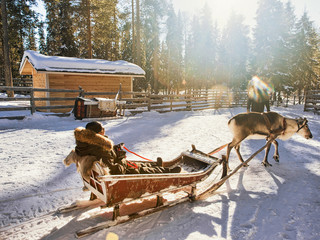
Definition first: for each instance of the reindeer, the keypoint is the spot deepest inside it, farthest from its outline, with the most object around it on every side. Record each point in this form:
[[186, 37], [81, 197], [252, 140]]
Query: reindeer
[[254, 125]]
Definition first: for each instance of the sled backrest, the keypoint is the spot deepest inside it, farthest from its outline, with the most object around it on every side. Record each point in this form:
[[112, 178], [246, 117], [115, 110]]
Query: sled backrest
[[96, 186]]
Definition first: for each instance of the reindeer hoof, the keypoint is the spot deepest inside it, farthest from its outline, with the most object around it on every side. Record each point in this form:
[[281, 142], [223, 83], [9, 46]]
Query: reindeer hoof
[[266, 164], [276, 158]]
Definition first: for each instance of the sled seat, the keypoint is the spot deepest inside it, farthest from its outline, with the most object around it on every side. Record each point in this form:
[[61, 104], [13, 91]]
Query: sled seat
[[115, 189]]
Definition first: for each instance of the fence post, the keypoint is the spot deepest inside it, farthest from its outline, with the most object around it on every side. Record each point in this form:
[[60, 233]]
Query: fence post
[[32, 102], [188, 100], [120, 92], [149, 97], [81, 93]]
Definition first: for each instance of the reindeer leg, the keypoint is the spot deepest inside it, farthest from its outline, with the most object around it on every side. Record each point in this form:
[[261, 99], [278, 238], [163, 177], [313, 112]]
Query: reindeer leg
[[237, 148], [229, 148], [276, 151], [265, 160]]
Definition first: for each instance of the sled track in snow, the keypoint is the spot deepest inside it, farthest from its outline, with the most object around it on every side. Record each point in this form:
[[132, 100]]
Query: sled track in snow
[[37, 194]]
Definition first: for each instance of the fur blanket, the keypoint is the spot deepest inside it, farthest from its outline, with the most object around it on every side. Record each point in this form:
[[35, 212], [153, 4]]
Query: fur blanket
[[84, 164]]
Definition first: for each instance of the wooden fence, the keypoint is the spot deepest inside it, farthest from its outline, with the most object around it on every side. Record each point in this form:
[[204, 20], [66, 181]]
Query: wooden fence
[[312, 101], [136, 102]]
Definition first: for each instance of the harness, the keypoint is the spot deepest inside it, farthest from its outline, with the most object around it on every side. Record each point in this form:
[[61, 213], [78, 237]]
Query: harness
[[278, 131], [304, 123], [282, 129]]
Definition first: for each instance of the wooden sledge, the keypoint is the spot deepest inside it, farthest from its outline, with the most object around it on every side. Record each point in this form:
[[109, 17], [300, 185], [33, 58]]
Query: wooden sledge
[[197, 166], [115, 189]]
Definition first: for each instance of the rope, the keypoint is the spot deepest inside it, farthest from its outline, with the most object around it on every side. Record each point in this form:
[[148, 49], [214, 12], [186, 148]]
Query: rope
[[133, 164], [218, 149], [137, 154]]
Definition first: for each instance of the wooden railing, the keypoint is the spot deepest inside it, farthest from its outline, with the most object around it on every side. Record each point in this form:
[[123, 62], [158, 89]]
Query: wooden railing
[[136, 102], [312, 102]]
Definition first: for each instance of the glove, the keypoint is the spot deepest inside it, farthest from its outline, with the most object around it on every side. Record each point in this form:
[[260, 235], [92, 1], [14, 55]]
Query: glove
[[116, 169]]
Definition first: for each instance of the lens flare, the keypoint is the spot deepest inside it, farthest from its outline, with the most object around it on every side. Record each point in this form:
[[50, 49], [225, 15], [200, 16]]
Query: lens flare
[[258, 89]]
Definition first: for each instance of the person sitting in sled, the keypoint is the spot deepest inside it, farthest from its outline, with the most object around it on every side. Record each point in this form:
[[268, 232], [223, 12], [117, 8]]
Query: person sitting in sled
[[92, 141]]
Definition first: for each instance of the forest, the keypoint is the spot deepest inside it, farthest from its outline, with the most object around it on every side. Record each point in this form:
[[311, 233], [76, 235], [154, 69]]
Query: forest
[[177, 50]]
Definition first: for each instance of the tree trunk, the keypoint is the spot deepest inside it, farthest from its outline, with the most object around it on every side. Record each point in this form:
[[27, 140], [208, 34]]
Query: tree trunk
[[89, 29], [7, 66], [133, 35], [138, 33]]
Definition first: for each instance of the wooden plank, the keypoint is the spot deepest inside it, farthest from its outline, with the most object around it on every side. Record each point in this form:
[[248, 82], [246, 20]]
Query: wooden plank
[[25, 89], [54, 107], [14, 108], [13, 117], [14, 99], [55, 90], [56, 99]]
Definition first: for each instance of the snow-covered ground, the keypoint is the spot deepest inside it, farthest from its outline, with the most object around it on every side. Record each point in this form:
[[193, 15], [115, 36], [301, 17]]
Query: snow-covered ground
[[279, 202]]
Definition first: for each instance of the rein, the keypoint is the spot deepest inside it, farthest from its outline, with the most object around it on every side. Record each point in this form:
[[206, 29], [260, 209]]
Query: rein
[[132, 164], [137, 154]]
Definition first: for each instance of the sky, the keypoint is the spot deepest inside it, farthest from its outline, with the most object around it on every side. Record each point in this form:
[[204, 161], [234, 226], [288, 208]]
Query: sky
[[221, 9]]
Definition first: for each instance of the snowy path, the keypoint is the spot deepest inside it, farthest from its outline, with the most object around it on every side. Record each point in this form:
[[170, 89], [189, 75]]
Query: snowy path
[[280, 202]]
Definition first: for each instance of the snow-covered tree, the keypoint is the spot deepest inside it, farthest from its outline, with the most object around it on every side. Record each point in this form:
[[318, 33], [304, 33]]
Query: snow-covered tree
[[306, 59], [234, 53]]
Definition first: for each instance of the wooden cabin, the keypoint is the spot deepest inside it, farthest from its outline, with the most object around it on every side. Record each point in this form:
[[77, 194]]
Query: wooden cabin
[[93, 75]]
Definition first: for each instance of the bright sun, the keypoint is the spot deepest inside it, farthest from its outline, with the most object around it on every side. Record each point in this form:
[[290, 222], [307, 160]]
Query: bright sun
[[220, 9]]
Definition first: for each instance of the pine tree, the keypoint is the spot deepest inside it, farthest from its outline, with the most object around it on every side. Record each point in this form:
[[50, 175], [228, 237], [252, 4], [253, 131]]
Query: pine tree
[[192, 57], [285, 61], [207, 48], [201, 51], [126, 34], [42, 39], [174, 41], [23, 20], [68, 45], [53, 27], [61, 28], [164, 79], [270, 60], [234, 52], [7, 66], [105, 32], [306, 68]]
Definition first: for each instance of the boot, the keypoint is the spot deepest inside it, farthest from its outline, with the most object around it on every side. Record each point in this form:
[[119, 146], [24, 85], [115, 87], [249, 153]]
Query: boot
[[159, 162], [175, 170]]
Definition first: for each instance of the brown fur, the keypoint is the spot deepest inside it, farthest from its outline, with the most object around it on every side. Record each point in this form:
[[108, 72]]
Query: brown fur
[[84, 164], [87, 136]]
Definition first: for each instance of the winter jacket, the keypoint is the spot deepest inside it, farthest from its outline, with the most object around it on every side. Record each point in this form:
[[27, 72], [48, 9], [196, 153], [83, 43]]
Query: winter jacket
[[90, 143], [257, 106], [94, 144]]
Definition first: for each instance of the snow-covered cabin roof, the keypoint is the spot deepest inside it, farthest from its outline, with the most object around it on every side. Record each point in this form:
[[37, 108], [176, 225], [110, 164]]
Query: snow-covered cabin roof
[[43, 63]]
